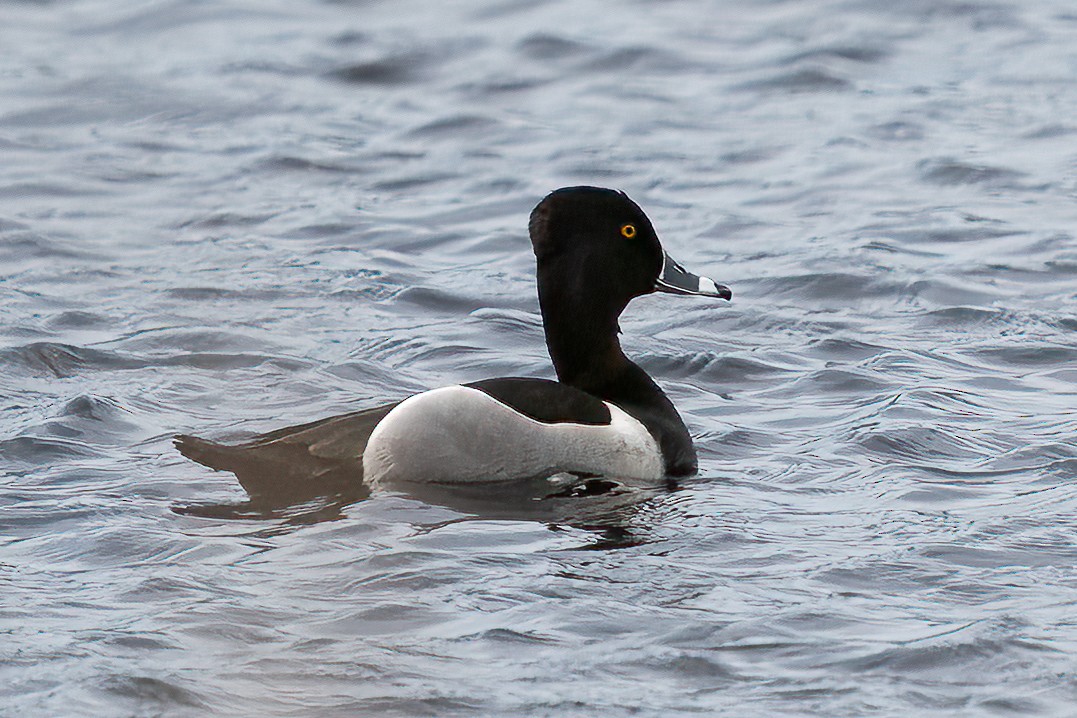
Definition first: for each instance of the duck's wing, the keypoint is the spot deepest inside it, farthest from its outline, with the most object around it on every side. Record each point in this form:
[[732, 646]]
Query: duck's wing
[[550, 402], [295, 464]]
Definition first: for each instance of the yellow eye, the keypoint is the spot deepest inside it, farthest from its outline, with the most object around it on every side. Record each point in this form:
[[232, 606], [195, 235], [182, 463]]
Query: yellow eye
[[628, 231]]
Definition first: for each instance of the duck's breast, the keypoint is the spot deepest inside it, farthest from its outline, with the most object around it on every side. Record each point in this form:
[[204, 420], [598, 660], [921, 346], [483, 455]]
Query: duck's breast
[[460, 434]]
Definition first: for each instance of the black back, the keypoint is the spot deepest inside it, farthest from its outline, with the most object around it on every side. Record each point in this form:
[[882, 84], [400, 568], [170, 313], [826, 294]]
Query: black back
[[547, 401]]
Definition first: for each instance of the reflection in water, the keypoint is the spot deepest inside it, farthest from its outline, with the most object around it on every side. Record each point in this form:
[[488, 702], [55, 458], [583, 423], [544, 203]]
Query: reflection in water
[[603, 506], [309, 473]]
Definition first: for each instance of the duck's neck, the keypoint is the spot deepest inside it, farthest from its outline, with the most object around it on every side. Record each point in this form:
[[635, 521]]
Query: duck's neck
[[586, 354], [585, 351]]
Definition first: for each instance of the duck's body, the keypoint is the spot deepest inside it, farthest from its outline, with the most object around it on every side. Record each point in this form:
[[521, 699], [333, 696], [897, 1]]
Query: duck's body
[[596, 251], [474, 433]]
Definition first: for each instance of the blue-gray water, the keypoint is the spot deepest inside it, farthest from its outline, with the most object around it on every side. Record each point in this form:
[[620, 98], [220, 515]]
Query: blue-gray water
[[226, 217]]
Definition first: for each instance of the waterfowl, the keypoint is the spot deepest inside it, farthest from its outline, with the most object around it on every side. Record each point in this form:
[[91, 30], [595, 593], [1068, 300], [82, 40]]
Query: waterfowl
[[595, 251]]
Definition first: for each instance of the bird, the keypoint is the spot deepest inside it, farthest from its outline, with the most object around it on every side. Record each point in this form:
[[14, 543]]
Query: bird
[[595, 251]]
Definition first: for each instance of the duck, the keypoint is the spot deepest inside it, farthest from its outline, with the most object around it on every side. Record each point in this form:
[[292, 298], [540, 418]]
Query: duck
[[604, 416]]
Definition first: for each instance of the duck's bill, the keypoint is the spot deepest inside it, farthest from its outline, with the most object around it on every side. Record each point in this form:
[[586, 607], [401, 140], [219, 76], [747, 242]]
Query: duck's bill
[[675, 279]]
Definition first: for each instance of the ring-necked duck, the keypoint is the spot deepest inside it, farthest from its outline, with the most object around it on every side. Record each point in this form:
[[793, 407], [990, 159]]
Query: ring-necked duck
[[596, 251]]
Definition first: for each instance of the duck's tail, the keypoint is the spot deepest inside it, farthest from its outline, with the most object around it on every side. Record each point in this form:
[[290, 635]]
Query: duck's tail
[[295, 464], [205, 452]]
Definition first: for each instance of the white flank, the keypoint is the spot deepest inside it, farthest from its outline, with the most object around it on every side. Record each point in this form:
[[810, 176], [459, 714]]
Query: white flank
[[457, 434]]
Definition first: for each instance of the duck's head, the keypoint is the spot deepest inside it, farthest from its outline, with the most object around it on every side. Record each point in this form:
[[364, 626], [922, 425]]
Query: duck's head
[[596, 245]]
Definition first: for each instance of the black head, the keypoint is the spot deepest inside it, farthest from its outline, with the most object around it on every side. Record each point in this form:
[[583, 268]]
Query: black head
[[600, 236], [600, 244]]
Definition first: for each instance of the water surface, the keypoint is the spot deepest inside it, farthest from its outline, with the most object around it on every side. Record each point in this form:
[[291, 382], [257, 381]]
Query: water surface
[[226, 217]]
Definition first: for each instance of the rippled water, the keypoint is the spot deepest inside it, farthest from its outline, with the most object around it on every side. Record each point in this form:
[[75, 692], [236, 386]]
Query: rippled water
[[227, 217]]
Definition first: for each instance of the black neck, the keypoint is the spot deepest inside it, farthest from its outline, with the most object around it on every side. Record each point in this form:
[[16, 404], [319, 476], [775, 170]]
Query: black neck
[[587, 355]]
